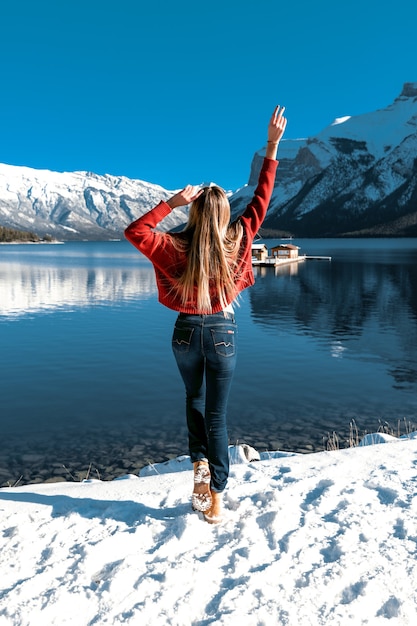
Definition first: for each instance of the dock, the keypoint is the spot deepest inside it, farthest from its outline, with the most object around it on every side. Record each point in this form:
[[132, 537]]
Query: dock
[[278, 262]]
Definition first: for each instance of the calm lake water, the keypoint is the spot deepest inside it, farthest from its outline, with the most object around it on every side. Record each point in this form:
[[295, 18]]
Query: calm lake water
[[87, 377]]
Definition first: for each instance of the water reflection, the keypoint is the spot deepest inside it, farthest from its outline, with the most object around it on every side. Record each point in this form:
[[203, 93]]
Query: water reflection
[[28, 289], [370, 308]]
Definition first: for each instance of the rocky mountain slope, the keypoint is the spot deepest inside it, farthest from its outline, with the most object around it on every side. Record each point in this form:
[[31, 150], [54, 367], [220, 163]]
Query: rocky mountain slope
[[356, 177]]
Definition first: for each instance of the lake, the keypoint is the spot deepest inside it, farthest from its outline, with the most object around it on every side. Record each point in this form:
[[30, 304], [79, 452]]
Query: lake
[[89, 385]]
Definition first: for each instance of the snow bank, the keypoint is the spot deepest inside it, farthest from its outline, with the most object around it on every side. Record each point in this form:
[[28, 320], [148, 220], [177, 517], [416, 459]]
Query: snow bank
[[318, 539]]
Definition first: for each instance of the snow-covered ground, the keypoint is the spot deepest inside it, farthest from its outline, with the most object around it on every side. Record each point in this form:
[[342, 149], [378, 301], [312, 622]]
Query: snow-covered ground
[[327, 538]]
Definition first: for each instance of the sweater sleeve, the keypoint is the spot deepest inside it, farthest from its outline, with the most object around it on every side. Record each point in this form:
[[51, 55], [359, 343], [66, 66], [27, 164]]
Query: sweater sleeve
[[140, 233], [256, 210]]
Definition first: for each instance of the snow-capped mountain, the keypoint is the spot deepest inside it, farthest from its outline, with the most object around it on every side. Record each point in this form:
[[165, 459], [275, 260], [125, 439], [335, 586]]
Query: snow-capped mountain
[[357, 176], [77, 205]]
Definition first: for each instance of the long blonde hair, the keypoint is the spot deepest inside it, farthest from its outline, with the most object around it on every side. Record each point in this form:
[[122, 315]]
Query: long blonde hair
[[211, 245]]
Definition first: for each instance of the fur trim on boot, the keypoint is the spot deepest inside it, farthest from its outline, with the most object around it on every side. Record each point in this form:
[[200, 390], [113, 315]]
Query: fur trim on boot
[[215, 514], [201, 497]]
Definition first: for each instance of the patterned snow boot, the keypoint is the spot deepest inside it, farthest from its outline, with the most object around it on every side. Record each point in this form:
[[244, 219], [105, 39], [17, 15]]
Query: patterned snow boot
[[201, 498]]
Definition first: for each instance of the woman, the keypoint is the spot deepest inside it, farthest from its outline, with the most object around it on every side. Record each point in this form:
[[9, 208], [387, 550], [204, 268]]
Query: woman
[[199, 273]]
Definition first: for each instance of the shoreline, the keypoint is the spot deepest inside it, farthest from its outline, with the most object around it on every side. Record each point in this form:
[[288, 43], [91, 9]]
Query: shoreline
[[39, 466], [107, 463], [30, 243], [107, 455]]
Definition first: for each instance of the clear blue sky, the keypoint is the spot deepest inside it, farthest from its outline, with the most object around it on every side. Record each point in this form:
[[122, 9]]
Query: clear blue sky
[[176, 92]]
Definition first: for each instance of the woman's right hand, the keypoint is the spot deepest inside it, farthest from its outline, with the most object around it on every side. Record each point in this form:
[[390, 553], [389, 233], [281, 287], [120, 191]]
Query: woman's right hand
[[185, 196]]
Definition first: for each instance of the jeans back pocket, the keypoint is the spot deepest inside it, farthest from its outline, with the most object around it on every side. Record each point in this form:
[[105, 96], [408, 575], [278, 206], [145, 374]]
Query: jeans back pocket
[[224, 341], [181, 339]]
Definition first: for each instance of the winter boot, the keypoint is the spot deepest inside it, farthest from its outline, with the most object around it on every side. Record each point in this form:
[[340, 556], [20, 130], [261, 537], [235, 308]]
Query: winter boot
[[215, 514], [201, 498]]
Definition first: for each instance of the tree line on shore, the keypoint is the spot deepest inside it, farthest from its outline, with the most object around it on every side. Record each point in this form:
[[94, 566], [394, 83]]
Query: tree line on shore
[[9, 235]]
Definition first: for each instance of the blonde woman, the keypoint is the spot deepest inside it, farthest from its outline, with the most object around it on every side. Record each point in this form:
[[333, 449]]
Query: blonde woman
[[199, 273]]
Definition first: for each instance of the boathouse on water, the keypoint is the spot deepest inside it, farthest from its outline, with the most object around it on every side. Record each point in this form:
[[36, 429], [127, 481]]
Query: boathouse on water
[[285, 251], [282, 254], [259, 252]]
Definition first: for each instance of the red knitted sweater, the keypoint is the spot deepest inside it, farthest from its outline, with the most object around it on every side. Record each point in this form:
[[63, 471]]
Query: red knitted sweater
[[169, 263]]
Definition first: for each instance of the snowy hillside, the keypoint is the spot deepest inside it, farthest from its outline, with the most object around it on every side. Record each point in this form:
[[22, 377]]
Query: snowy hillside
[[77, 205]]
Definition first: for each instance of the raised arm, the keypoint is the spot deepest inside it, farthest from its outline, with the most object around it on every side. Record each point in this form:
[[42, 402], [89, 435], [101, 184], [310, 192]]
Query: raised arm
[[256, 210], [276, 129]]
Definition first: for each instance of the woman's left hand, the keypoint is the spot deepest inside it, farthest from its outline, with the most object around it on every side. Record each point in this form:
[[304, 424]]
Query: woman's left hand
[[185, 196], [276, 129], [277, 125]]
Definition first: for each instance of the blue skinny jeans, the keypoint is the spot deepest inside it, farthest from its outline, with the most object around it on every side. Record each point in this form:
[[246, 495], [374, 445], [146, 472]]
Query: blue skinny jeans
[[205, 349]]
